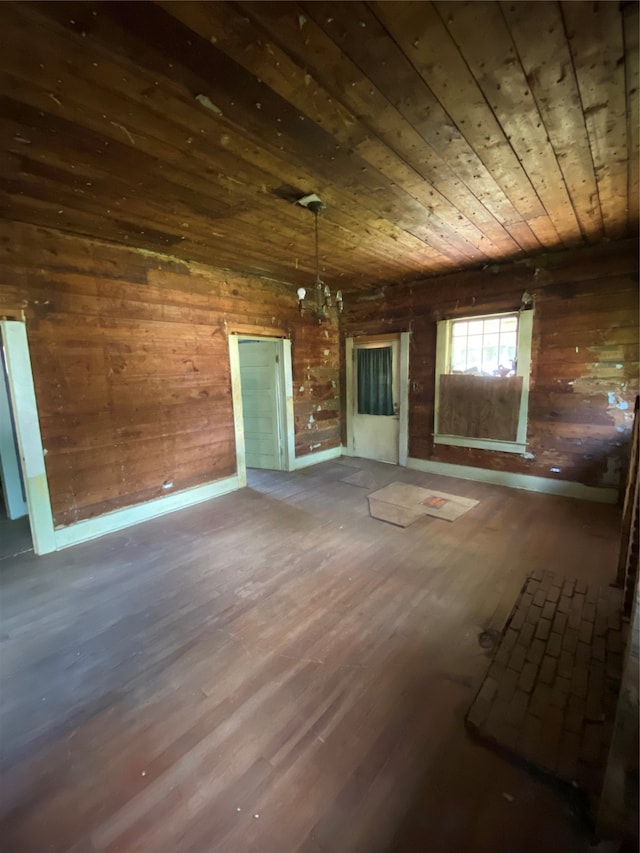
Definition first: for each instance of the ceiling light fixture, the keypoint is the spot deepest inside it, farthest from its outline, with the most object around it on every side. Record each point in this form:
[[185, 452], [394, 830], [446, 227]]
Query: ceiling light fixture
[[322, 293]]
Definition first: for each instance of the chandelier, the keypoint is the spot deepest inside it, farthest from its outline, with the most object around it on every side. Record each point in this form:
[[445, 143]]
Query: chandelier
[[323, 300]]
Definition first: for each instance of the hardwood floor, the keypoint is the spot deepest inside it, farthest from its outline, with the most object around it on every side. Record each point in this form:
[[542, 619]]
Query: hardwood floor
[[275, 671]]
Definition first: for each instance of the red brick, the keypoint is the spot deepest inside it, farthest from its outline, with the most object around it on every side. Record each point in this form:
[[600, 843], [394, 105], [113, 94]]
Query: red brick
[[497, 716], [517, 658], [614, 642], [528, 676], [554, 645], [579, 682], [508, 684], [563, 684], [585, 631], [564, 605], [601, 625], [568, 588], [553, 595], [566, 664], [591, 595], [527, 600], [534, 613], [536, 575], [560, 623], [596, 677], [558, 697], [540, 597], [509, 640], [570, 640], [548, 610], [593, 706], [517, 619], [517, 708], [581, 587], [502, 656], [548, 669], [574, 715], [557, 581], [573, 620], [543, 629], [589, 611], [540, 700], [573, 721], [535, 651], [526, 633], [488, 690], [583, 654]]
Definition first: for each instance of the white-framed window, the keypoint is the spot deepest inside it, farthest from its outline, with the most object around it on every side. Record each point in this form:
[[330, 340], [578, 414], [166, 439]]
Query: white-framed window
[[482, 381]]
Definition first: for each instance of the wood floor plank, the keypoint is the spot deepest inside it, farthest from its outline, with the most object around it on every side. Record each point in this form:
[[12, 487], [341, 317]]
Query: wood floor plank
[[277, 652]]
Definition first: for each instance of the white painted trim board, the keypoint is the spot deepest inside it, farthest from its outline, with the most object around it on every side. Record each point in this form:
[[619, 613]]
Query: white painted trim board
[[564, 488], [110, 522]]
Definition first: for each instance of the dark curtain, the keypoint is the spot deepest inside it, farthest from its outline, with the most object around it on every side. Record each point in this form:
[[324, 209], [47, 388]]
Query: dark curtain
[[375, 396]]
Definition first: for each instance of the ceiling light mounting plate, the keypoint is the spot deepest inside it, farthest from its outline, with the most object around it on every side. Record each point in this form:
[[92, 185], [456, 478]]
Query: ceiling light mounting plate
[[312, 202]]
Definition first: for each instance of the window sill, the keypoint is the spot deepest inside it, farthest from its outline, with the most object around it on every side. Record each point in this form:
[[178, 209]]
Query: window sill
[[481, 443]]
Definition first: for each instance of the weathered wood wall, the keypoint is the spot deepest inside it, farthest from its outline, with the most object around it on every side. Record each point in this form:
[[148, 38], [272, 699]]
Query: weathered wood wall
[[585, 356], [131, 365]]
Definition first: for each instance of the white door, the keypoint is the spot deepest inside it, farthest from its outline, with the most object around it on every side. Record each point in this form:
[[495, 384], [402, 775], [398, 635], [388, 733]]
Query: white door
[[10, 467], [261, 403], [376, 436]]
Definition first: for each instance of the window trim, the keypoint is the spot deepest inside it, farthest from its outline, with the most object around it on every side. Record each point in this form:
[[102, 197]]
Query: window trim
[[523, 369]]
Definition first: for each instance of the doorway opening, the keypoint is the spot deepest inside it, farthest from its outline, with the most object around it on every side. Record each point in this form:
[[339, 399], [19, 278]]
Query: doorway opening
[[261, 381], [377, 368]]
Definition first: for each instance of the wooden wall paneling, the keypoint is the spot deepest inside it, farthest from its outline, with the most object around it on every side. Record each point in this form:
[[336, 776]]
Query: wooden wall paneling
[[416, 28], [595, 36], [631, 28], [132, 375], [541, 44], [577, 416], [496, 66]]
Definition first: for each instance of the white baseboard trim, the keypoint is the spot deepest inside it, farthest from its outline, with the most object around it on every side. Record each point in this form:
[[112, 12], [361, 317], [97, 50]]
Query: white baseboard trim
[[564, 488], [92, 528], [316, 458]]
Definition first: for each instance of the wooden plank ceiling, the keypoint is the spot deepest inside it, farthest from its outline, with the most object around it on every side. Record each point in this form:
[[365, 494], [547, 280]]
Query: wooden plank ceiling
[[440, 135]]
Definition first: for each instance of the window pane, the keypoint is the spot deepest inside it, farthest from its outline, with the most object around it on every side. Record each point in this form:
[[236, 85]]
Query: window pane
[[459, 329], [508, 324], [492, 325], [475, 327], [459, 354]]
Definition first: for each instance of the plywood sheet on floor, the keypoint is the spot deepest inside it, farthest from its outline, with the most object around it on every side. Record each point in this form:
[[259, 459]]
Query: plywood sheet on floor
[[424, 501]]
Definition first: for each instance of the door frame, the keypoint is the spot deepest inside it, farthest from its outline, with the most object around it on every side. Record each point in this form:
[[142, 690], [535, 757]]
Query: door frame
[[22, 399], [285, 401], [403, 390]]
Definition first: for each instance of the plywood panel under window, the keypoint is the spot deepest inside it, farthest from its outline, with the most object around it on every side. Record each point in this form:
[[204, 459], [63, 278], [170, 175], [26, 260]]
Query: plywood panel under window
[[480, 406]]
